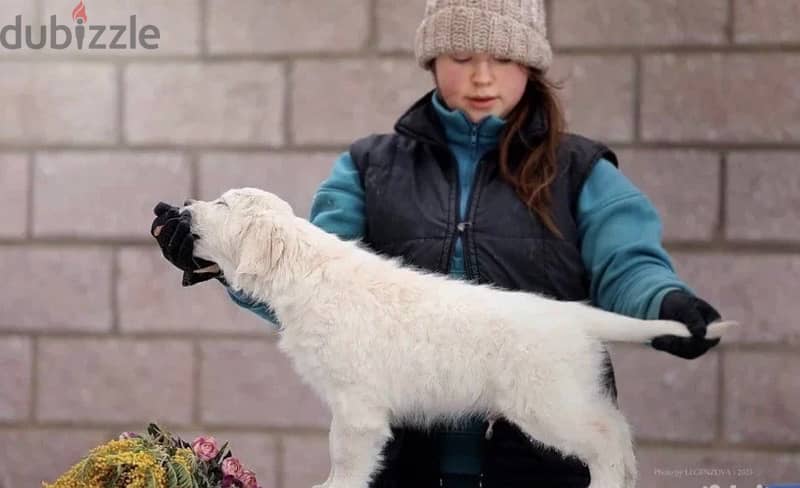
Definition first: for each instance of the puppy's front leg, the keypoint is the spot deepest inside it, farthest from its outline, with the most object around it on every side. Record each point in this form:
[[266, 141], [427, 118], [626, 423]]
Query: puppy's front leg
[[356, 439], [328, 481]]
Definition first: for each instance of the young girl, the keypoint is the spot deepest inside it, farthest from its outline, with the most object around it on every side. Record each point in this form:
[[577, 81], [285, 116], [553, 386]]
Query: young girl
[[481, 181]]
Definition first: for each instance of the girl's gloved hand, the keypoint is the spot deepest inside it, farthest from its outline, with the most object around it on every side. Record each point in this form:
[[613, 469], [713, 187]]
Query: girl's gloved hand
[[696, 314], [172, 231]]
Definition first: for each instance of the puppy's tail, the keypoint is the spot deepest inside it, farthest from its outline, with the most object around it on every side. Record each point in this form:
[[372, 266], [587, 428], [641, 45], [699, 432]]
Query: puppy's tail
[[612, 327]]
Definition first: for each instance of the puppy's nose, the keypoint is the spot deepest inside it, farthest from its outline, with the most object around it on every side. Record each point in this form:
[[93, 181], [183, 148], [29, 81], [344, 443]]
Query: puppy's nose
[[188, 202]]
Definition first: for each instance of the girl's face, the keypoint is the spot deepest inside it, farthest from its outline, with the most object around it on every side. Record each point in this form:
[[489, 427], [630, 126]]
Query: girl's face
[[479, 84]]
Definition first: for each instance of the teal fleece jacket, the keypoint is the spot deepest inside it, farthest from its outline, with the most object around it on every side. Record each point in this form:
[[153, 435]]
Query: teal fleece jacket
[[619, 228]]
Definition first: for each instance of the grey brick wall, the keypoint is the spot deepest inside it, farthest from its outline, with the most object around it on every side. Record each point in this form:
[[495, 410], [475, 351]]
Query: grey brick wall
[[699, 97]]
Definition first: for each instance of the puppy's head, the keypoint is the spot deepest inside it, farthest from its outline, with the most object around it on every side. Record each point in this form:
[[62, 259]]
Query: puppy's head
[[244, 231]]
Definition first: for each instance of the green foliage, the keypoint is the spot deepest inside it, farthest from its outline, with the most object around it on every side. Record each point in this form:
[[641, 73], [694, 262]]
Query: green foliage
[[151, 454]]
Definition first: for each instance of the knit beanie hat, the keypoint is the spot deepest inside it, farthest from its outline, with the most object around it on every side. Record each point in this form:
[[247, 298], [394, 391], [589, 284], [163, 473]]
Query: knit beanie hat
[[508, 29]]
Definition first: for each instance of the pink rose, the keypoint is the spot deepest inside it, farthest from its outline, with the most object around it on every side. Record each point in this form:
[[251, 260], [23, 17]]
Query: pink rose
[[233, 467], [205, 448], [229, 481], [248, 479]]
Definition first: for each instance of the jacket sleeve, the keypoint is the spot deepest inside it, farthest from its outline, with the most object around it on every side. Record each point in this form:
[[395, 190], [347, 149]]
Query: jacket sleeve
[[620, 232], [337, 208]]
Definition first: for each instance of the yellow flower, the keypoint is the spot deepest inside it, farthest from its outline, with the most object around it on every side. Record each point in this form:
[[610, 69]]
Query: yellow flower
[[185, 457], [138, 462]]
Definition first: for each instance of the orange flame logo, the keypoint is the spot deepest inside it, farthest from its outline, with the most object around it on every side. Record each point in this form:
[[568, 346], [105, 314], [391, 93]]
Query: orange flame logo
[[79, 13]]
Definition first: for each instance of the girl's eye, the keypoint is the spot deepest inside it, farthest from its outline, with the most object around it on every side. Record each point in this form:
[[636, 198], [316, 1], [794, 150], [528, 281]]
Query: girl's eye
[[503, 60], [461, 60]]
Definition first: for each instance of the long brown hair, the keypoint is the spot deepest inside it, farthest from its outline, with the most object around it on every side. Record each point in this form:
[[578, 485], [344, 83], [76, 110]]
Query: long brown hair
[[531, 177]]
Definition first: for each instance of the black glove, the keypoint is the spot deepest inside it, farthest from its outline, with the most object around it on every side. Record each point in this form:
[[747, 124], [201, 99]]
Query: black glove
[[696, 314], [172, 230]]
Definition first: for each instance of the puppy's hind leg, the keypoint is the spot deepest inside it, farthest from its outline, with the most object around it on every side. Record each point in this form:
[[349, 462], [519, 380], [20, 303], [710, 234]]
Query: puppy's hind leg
[[615, 433], [357, 437], [589, 429]]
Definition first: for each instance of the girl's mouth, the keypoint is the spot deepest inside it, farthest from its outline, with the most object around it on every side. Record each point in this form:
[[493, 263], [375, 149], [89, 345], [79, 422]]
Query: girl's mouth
[[481, 102]]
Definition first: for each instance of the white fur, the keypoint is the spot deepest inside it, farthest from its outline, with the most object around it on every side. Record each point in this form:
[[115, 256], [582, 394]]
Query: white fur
[[384, 344]]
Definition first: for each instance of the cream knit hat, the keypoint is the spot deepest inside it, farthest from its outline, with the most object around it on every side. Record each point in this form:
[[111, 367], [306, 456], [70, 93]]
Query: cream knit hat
[[511, 29]]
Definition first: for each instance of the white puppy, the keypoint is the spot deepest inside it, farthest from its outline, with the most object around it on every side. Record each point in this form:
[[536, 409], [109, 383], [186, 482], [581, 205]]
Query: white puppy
[[385, 344]]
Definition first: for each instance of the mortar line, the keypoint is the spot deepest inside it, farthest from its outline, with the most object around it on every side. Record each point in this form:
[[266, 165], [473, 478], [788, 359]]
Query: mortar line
[[280, 459], [115, 272], [31, 174], [203, 33], [732, 247], [695, 145], [730, 23], [288, 105], [34, 393], [371, 40], [197, 358], [121, 99], [193, 158], [402, 54], [721, 231], [38, 14], [638, 79]]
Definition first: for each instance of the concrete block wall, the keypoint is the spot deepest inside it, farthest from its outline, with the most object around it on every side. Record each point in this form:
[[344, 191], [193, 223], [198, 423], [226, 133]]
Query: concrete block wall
[[700, 99]]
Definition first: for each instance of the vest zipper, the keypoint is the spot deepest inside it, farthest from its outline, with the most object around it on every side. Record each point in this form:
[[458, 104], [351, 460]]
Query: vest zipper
[[464, 228], [474, 140], [448, 265]]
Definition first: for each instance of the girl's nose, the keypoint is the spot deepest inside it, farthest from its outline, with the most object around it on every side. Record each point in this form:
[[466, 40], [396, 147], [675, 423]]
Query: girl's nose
[[482, 73]]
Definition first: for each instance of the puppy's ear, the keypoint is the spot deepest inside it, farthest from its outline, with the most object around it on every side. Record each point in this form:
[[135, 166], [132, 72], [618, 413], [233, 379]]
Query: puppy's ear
[[262, 246]]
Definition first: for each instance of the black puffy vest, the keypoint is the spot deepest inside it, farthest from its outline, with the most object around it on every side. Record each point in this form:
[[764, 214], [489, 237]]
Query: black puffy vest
[[411, 188]]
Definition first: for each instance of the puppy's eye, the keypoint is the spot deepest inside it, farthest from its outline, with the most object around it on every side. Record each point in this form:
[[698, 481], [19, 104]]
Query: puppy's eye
[[220, 202]]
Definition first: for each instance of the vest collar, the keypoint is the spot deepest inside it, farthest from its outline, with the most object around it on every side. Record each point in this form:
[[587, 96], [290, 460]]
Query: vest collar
[[421, 122], [459, 129]]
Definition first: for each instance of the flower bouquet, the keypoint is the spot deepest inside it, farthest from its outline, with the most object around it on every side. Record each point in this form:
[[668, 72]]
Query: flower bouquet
[[157, 459]]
